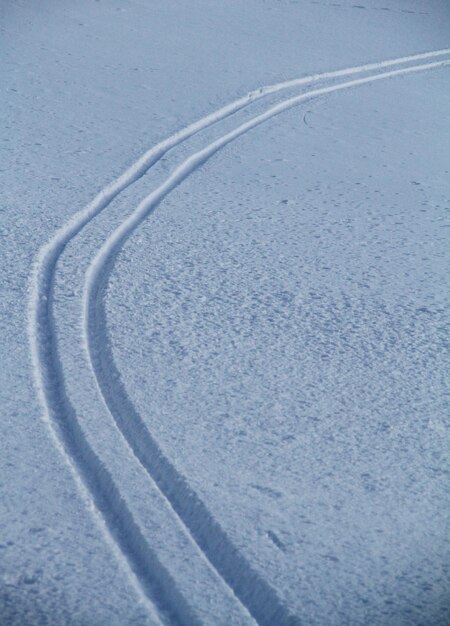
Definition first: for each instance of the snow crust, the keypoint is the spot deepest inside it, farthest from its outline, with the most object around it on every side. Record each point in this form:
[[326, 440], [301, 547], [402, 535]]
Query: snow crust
[[238, 412]]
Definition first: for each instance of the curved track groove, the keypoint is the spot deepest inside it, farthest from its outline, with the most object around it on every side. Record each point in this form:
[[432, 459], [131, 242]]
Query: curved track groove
[[60, 416], [259, 598], [153, 579]]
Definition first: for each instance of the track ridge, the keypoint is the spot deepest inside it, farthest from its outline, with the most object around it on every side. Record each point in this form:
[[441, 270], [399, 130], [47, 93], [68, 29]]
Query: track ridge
[[260, 599], [92, 478]]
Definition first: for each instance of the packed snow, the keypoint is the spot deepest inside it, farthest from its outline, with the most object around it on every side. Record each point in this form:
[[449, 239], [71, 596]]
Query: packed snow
[[224, 313]]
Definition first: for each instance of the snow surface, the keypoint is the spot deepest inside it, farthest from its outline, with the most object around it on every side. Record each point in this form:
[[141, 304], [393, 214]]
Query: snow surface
[[225, 392]]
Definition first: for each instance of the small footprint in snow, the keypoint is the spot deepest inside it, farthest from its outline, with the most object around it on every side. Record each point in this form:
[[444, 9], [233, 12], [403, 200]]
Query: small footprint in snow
[[276, 540]]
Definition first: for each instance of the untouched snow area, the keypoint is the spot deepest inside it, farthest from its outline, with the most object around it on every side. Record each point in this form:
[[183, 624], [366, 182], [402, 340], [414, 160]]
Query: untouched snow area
[[224, 234]]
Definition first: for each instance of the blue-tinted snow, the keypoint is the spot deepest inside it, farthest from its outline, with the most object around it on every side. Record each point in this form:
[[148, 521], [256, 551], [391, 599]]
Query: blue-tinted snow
[[285, 312], [279, 321]]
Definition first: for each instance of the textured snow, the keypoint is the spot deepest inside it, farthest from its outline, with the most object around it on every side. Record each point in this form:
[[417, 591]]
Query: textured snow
[[243, 415]]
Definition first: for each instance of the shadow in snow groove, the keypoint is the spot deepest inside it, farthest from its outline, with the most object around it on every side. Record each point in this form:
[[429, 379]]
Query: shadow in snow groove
[[156, 581], [253, 591]]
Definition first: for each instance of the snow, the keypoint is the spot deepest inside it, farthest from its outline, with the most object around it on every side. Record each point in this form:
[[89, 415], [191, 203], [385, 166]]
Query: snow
[[224, 397]]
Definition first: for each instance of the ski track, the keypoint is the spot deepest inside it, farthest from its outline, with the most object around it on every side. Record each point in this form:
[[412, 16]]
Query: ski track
[[152, 581]]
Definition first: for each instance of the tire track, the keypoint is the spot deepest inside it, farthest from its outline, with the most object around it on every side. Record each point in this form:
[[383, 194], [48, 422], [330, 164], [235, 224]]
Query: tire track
[[93, 479], [254, 593]]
